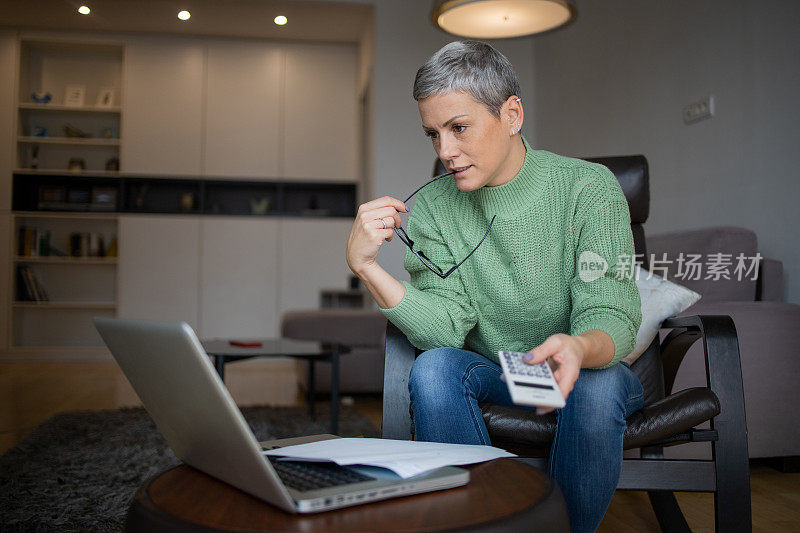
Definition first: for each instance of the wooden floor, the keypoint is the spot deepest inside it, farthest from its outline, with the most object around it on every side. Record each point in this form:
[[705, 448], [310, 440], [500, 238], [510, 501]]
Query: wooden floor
[[30, 392]]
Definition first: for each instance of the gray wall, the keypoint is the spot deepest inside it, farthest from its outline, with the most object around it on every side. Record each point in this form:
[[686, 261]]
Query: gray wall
[[616, 81]]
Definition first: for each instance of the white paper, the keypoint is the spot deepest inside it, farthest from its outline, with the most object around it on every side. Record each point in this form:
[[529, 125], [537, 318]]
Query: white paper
[[404, 457]]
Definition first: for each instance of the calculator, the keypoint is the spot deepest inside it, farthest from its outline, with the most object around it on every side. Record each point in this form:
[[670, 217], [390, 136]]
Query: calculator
[[530, 384]]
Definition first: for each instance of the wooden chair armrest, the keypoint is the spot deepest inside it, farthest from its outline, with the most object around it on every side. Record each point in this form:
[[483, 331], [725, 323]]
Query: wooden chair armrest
[[723, 365]]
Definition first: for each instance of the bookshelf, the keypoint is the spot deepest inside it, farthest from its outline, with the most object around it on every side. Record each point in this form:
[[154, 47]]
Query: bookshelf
[[79, 126], [63, 267], [56, 287], [167, 186]]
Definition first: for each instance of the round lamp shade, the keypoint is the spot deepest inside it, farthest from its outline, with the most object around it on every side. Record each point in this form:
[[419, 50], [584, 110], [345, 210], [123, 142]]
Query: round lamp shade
[[497, 19]]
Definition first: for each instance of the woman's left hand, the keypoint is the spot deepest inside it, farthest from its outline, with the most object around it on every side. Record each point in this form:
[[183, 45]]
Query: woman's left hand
[[567, 352]]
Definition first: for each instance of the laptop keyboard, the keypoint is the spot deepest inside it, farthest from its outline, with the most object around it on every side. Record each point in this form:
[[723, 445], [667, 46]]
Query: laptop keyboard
[[304, 476]]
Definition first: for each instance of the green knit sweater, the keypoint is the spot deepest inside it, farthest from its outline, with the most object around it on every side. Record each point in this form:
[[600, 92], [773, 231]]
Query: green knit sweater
[[522, 284]]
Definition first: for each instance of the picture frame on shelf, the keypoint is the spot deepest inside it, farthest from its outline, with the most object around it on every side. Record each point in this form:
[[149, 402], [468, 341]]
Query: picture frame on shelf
[[52, 197], [78, 199], [74, 95], [103, 199], [105, 97]]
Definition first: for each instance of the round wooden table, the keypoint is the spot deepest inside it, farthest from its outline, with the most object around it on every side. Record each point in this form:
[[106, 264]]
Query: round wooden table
[[502, 495]]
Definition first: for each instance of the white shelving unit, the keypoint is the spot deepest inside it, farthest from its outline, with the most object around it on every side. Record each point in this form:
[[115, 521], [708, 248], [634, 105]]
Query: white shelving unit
[[41, 138], [78, 288]]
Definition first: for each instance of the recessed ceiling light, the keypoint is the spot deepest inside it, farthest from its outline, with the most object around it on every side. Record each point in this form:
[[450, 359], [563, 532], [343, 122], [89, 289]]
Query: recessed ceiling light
[[84, 10], [184, 15], [280, 20]]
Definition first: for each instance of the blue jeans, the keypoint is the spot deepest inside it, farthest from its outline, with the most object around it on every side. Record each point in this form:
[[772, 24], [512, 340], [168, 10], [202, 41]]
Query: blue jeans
[[447, 384]]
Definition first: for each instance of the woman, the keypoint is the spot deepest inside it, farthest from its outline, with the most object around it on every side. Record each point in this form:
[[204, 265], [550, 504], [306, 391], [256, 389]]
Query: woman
[[523, 288]]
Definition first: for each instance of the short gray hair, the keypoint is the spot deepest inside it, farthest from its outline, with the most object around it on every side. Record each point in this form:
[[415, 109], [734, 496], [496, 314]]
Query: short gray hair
[[470, 66]]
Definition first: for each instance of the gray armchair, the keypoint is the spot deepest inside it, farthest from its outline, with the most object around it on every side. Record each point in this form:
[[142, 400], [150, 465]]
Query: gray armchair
[[767, 330], [361, 330]]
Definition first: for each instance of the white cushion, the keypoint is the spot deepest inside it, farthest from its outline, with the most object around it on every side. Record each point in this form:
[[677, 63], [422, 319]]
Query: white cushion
[[661, 299]]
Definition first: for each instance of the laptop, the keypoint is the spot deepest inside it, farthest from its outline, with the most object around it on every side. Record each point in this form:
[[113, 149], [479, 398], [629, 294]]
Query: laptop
[[173, 376]]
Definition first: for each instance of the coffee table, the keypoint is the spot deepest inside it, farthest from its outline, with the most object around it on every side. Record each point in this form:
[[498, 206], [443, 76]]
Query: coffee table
[[223, 352], [502, 495]]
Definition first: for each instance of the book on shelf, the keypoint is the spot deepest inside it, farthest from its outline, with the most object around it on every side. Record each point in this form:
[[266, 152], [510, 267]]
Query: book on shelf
[[24, 288], [87, 245], [29, 288], [33, 242]]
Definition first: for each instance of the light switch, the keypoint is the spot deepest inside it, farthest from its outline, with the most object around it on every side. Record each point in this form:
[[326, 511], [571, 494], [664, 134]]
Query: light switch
[[699, 110]]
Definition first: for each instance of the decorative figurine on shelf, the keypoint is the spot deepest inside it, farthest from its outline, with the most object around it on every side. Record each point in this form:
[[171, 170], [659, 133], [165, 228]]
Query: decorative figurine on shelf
[[313, 208], [72, 131], [112, 165], [259, 207], [39, 131], [76, 164], [39, 98], [109, 133], [188, 202], [35, 157], [141, 193]]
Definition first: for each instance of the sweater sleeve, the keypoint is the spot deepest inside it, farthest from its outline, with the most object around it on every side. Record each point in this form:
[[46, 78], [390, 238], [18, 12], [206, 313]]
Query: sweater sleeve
[[434, 312], [602, 299]]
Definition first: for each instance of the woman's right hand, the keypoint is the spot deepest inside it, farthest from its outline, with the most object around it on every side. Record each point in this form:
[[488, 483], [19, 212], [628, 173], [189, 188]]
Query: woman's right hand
[[368, 233]]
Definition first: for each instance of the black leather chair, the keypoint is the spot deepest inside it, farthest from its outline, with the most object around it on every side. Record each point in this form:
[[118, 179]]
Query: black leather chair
[[667, 419]]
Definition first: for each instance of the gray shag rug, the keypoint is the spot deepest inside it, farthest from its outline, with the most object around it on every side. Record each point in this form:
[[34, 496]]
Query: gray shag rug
[[79, 470]]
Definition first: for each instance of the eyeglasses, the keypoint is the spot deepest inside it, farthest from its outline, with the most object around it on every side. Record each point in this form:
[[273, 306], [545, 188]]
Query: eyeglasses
[[433, 267]]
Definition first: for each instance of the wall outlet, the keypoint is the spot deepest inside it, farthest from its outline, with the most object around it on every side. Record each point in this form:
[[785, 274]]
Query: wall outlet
[[699, 110]]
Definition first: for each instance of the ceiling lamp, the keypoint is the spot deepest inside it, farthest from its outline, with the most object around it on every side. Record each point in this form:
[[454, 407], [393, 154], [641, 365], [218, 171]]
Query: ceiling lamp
[[497, 19]]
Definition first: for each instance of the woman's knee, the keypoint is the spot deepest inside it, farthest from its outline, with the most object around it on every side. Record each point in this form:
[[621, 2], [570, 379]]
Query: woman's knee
[[440, 371], [602, 399], [614, 385], [433, 369]]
